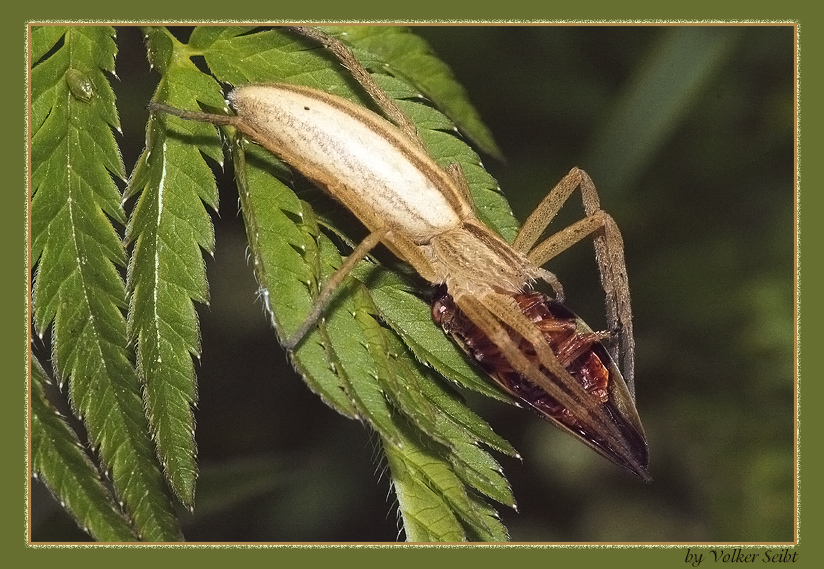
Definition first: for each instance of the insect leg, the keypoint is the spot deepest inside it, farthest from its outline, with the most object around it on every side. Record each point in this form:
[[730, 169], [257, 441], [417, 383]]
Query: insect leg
[[332, 284]]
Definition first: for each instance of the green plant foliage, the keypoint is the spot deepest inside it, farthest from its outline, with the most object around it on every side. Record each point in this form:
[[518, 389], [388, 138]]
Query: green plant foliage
[[408, 56], [269, 210], [59, 459], [433, 501], [688, 133], [169, 228], [360, 367], [77, 290], [372, 358]]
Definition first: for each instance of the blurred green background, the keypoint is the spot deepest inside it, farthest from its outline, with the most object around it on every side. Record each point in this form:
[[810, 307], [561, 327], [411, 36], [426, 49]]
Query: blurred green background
[[688, 133]]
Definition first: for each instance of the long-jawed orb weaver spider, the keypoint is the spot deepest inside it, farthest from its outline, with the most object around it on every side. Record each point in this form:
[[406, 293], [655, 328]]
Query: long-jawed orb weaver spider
[[533, 346]]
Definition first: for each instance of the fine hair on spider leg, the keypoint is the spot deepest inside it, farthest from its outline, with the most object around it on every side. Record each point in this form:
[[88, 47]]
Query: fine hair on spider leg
[[424, 214]]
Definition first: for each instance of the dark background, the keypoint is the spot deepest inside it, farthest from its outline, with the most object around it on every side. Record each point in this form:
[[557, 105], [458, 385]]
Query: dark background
[[688, 134]]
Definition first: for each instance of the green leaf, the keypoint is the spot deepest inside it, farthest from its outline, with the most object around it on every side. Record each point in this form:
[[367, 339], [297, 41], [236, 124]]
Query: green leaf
[[434, 504], [43, 39], [455, 431], [169, 228], [414, 390], [411, 318], [204, 37], [410, 58], [75, 248], [372, 366], [427, 517], [282, 243], [349, 349], [359, 367], [365, 367], [59, 460]]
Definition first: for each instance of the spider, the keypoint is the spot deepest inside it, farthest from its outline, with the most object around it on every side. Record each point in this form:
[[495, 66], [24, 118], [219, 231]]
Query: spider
[[424, 214]]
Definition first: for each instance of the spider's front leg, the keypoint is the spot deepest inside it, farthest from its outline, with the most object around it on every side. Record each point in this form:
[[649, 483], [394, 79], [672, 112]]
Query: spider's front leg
[[609, 255]]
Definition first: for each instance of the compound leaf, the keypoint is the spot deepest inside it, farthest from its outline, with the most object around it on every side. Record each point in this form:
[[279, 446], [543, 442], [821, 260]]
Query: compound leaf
[[358, 366], [76, 251], [169, 229], [60, 461]]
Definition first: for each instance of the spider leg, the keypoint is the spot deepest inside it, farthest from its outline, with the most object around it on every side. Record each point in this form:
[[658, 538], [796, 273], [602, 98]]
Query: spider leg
[[362, 76], [542, 216], [456, 173], [609, 255], [322, 301]]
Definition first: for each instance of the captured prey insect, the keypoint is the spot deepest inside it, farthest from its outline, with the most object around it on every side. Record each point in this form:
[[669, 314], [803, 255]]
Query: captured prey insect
[[532, 346], [579, 351]]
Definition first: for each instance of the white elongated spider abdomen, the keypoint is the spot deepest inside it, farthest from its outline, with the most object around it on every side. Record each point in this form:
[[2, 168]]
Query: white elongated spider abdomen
[[370, 164]]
